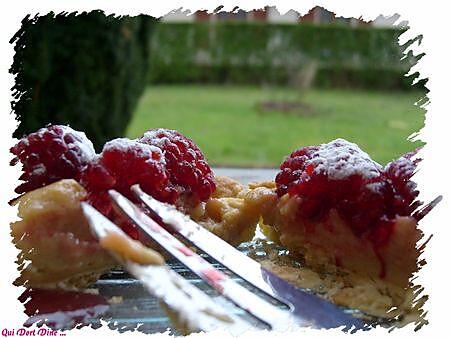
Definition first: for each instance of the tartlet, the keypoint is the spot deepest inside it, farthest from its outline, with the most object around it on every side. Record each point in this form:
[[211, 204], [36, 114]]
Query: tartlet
[[335, 207], [57, 247]]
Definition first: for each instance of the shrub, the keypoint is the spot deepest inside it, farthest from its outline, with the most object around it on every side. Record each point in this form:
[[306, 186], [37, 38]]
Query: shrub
[[247, 52], [82, 69]]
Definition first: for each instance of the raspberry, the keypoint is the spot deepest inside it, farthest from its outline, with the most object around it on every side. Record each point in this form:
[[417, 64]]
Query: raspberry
[[166, 165], [399, 174], [340, 175], [51, 154], [121, 164], [190, 176]]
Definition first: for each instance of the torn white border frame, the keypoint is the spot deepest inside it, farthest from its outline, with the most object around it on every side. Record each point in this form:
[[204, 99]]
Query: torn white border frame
[[427, 19]]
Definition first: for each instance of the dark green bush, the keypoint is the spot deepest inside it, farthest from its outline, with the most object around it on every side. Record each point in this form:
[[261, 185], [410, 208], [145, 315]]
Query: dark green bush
[[243, 52], [370, 78], [82, 69]]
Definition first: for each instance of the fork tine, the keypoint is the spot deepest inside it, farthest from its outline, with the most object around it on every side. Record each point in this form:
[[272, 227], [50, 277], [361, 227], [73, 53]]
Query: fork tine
[[197, 309], [309, 307], [243, 298], [224, 253]]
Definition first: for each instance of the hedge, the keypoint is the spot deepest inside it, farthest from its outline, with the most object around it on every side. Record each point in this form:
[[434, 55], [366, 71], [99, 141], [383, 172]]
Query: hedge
[[83, 69], [243, 52]]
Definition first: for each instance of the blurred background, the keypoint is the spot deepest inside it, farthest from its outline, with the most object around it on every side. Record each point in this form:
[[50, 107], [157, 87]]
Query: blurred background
[[248, 87]]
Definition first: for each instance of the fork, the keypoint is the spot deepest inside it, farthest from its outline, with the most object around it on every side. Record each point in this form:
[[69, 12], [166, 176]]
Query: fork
[[280, 307]]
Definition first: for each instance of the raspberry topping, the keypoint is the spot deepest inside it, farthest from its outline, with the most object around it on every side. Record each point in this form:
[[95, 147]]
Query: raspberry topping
[[121, 164], [166, 165], [189, 174], [399, 174], [51, 154], [340, 175]]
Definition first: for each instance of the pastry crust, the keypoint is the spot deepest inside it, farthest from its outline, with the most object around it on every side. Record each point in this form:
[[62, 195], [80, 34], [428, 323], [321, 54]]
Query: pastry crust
[[59, 251], [330, 244], [229, 213], [57, 247], [375, 298]]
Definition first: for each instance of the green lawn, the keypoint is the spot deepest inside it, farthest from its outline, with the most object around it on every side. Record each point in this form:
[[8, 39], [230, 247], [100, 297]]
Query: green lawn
[[224, 121]]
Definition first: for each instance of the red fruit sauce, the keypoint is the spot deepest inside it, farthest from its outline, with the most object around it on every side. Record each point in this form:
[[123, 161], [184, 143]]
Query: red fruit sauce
[[61, 309]]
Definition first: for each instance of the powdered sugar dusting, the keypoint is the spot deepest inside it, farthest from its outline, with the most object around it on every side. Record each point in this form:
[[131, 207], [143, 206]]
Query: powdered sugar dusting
[[81, 141], [157, 137], [403, 166], [50, 154], [154, 133], [340, 159], [189, 172], [140, 149]]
